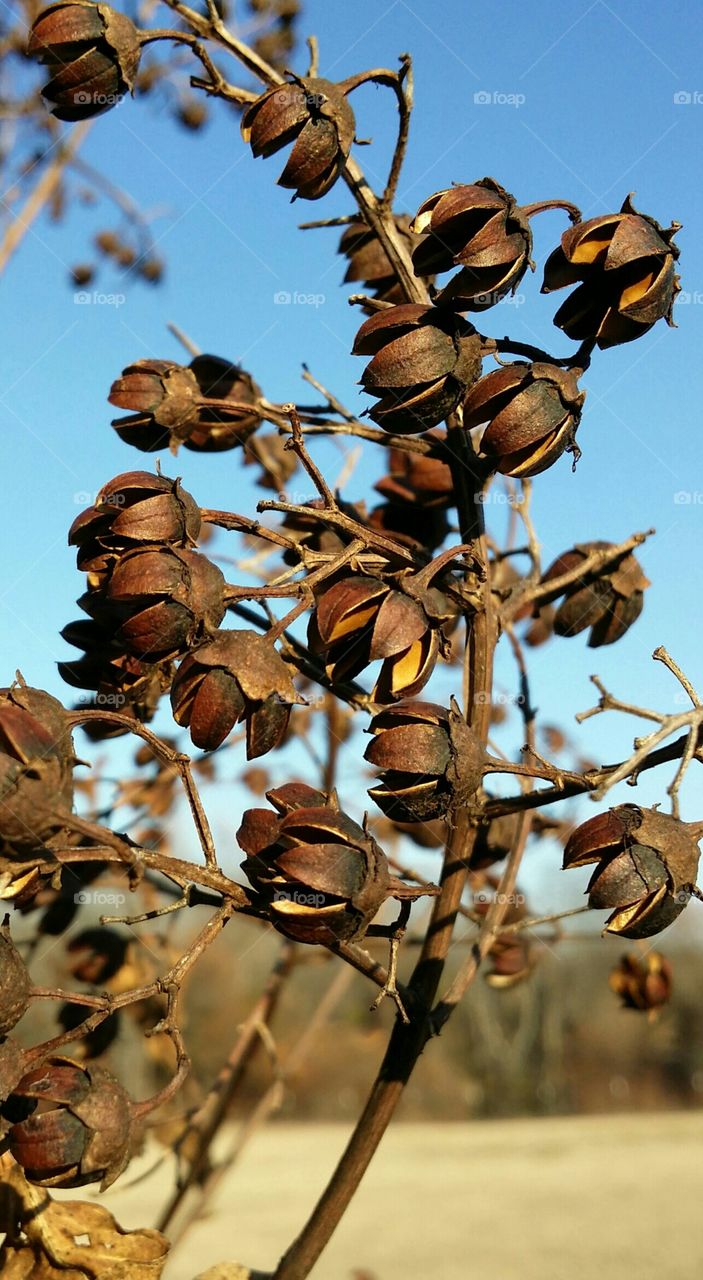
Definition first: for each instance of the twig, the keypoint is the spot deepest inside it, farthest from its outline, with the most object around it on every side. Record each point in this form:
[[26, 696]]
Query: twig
[[43, 192]]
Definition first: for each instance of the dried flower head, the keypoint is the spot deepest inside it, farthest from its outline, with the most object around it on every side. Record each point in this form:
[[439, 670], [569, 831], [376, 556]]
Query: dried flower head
[[72, 1125], [607, 600], [361, 619], [533, 412], [238, 676], [430, 761], [323, 876], [642, 982], [161, 601], [209, 406], [625, 262], [93, 51], [36, 768], [480, 228], [424, 358], [134, 508], [646, 867], [315, 115]]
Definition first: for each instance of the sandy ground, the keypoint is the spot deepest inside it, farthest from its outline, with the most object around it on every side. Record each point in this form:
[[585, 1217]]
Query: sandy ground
[[605, 1198]]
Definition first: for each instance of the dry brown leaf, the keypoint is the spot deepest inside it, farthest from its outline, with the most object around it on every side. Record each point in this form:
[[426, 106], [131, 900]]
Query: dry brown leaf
[[76, 1240]]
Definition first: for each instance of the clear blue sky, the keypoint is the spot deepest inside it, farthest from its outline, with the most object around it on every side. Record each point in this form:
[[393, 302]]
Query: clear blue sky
[[594, 116]]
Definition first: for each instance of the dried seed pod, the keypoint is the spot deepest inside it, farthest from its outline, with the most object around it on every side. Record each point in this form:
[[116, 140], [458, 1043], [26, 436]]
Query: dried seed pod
[[642, 982], [121, 681], [15, 982], [646, 867], [314, 533], [323, 876], [72, 1125], [162, 600], [210, 405], [608, 600], [424, 358], [99, 954], [239, 675], [480, 228], [368, 261], [424, 529], [420, 479], [533, 412], [315, 115], [229, 412], [361, 619], [625, 262], [93, 51], [36, 769], [430, 760], [136, 507]]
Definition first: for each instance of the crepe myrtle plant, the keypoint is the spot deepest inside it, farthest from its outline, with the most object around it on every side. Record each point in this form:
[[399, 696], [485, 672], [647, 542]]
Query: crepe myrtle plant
[[338, 612]]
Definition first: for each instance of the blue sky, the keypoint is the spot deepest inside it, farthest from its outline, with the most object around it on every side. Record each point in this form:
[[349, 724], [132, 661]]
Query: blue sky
[[583, 106]]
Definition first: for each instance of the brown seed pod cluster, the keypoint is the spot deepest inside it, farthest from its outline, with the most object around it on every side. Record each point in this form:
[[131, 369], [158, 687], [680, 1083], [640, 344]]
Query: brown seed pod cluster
[[323, 876], [646, 864], [361, 619], [71, 1124], [607, 600], [424, 359], [150, 596], [643, 983], [430, 761], [480, 228], [419, 491], [93, 53], [237, 676], [625, 263], [36, 771], [208, 406], [315, 115], [533, 412]]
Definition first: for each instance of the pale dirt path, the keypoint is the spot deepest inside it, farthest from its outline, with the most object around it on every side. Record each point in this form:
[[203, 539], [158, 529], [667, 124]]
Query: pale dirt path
[[604, 1198]]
